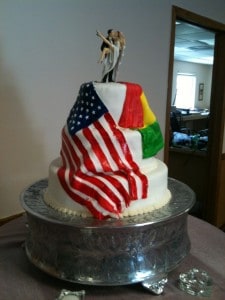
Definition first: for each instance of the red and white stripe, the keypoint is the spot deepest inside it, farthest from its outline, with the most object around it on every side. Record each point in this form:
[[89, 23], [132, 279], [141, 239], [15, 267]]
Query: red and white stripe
[[98, 169]]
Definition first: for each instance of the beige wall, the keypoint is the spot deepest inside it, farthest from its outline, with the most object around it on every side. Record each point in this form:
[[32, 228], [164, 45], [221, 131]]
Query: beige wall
[[203, 74], [48, 48]]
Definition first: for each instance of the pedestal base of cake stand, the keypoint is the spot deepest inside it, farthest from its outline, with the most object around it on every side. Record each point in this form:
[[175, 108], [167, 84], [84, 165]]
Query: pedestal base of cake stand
[[143, 248]]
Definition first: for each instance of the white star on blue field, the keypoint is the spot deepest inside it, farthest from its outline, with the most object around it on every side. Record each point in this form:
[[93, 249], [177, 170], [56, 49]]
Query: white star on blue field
[[86, 110]]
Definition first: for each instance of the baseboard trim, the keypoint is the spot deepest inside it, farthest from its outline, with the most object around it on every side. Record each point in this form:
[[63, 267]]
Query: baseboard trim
[[10, 218]]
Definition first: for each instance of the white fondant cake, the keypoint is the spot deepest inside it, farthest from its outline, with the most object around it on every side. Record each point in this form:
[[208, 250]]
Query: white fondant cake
[[107, 166]]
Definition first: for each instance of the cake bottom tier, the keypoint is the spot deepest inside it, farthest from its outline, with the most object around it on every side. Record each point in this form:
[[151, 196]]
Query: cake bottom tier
[[158, 193]]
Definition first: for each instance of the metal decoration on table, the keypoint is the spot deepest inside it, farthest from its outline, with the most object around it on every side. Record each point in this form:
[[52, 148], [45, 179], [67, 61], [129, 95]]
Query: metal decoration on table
[[70, 295], [143, 248], [196, 282], [155, 286]]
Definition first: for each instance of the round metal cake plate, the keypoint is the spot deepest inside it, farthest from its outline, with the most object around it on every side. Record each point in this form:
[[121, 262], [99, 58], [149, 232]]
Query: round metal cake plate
[[143, 248]]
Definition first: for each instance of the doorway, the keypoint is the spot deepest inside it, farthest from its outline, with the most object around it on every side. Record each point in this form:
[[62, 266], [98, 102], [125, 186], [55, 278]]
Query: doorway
[[199, 169]]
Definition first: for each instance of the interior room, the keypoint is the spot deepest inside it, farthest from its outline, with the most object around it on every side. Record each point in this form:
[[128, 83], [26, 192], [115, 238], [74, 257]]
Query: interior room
[[85, 211], [193, 139], [190, 106], [42, 71], [191, 91]]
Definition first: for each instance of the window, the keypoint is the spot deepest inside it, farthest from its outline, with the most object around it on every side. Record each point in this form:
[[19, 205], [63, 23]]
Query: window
[[185, 90]]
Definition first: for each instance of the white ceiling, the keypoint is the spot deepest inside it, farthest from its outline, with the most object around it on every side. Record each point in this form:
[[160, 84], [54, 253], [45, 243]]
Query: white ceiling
[[193, 44]]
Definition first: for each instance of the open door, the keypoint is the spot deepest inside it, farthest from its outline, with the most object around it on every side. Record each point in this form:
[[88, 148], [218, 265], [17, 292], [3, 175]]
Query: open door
[[201, 172]]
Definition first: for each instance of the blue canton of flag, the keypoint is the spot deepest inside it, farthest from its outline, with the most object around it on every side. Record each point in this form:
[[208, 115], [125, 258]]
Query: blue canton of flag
[[87, 109]]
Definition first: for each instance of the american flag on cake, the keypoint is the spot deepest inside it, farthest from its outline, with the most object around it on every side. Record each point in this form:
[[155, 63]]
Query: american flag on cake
[[98, 170]]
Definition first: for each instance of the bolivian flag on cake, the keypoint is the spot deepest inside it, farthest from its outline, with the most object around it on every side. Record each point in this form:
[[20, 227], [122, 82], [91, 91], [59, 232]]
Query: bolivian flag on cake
[[137, 115]]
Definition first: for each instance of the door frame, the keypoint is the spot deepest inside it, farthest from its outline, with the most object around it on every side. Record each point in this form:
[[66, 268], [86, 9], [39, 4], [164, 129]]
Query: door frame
[[217, 106]]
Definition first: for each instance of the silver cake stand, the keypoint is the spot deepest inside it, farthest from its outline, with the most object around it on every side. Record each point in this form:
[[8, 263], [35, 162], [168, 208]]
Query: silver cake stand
[[142, 249]]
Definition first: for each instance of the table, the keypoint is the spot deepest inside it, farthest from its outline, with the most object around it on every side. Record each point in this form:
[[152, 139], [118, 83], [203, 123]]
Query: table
[[195, 122], [21, 280]]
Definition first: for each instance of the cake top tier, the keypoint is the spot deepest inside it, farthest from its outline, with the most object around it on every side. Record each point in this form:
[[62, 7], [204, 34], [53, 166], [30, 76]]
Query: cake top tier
[[127, 105]]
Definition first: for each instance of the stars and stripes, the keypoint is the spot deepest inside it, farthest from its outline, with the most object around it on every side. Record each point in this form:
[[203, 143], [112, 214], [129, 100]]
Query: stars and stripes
[[87, 109], [98, 170]]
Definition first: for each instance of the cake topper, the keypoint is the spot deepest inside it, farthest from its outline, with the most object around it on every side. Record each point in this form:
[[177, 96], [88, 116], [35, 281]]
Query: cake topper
[[112, 50]]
